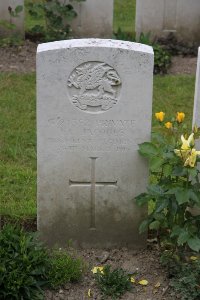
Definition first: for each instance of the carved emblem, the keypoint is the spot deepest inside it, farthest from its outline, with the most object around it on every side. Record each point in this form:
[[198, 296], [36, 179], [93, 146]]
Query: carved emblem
[[94, 87]]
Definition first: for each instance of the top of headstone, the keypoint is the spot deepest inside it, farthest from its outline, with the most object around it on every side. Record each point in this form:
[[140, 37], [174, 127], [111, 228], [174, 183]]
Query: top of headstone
[[104, 43]]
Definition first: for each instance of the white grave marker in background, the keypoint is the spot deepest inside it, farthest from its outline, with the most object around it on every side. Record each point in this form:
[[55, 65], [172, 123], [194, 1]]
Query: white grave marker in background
[[94, 20], [196, 111], [17, 21], [161, 17], [94, 106]]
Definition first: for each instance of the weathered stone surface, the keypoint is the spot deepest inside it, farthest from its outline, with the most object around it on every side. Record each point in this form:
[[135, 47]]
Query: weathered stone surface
[[196, 112], [180, 17], [196, 117], [94, 20], [17, 21], [94, 101]]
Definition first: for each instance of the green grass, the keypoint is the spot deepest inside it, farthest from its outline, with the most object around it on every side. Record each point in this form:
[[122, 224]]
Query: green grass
[[172, 94], [124, 16], [18, 134], [17, 145]]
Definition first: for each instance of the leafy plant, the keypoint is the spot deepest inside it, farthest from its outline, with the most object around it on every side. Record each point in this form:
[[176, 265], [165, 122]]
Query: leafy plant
[[162, 59], [57, 17], [112, 283], [64, 268], [13, 39], [175, 192], [184, 273], [187, 281], [23, 264]]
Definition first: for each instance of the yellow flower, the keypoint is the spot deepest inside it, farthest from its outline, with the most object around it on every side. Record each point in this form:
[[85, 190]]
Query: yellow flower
[[160, 116], [191, 159], [186, 153], [187, 143], [96, 269], [188, 156], [132, 279], [183, 154], [168, 125], [193, 258], [89, 293], [143, 282], [180, 116]]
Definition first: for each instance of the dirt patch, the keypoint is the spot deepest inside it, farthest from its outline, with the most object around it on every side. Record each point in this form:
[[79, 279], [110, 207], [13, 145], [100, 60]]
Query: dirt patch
[[21, 59], [144, 263], [18, 59], [183, 65], [28, 224]]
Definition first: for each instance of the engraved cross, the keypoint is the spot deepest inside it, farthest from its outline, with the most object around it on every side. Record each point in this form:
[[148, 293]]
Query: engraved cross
[[93, 183]]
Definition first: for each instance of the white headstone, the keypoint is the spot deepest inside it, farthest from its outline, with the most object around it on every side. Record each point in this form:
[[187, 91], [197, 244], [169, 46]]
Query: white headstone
[[94, 20], [17, 21], [196, 111], [94, 106], [180, 17]]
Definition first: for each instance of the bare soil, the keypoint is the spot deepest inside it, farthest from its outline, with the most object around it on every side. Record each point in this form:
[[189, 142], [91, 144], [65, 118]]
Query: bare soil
[[183, 65], [21, 59], [144, 264]]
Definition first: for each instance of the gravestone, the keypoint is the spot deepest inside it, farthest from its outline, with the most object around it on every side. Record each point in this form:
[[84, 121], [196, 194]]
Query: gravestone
[[196, 111], [94, 103], [94, 19], [180, 17], [18, 21]]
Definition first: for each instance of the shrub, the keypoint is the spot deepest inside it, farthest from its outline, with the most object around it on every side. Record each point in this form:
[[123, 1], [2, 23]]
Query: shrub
[[57, 16], [64, 268], [23, 263], [175, 192], [162, 59]]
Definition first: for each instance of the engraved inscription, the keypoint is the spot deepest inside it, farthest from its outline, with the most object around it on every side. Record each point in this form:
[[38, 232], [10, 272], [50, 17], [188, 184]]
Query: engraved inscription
[[103, 135], [94, 87], [93, 183]]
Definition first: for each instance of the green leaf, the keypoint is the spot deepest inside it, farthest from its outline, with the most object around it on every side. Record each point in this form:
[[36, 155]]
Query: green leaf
[[142, 199], [18, 9], [192, 172], [154, 225], [167, 170], [182, 195], [161, 205], [148, 149], [194, 244], [156, 163], [183, 237], [195, 196], [155, 190], [144, 226], [176, 230], [179, 171]]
